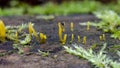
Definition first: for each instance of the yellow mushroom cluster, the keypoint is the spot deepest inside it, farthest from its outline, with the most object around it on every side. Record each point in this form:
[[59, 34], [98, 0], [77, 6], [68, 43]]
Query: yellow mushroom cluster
[[63, 39], [102, 37], [32, 31], [41, 37], [12, 33]]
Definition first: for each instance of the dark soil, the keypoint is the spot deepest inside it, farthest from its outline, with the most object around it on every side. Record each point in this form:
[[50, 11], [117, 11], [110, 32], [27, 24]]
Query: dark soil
[[57, 58]]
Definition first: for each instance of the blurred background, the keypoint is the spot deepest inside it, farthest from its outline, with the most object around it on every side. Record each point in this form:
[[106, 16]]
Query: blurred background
[[56, 7]]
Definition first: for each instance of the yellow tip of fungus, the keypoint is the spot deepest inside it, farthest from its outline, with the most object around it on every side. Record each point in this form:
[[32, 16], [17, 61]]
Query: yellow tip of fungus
[[16, 35], [100, 37], [88, 25], [2, 31], [78, 38], [104, 38], [84, 40], [71, 26], [72, 37], [43, 38], [30, 28]]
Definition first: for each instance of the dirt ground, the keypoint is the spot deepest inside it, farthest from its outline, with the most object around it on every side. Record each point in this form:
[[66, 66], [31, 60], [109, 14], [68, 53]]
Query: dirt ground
[[57, 58]]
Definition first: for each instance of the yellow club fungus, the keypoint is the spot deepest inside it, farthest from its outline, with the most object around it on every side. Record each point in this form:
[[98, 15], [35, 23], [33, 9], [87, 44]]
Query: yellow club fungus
[[16, 35], [72, 37], [71, 26], [84, 40], [2, 31], [43, 38], [60, 31], [78, 38], [104, 38], [64, 39], [88, 25], [32, 31], [101, 38]]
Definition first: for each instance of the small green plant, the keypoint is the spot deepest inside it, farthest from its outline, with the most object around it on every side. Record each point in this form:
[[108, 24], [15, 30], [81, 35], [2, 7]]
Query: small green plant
[[26, 40], [44, 54], [118, 52], [100, 59], [21, 49], [110, 22], [19, 37]]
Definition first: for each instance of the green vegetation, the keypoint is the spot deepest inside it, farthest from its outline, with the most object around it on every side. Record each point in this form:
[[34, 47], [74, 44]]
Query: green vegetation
[[44, 54], [73, 7], [110, 22], [100, 59], [19, 37]]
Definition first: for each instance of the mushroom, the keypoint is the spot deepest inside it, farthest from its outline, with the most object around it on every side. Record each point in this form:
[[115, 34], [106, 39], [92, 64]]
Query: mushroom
[[2, 31], [32, 30]]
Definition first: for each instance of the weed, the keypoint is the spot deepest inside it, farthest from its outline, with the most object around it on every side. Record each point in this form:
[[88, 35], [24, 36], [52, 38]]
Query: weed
[[44, 54], [100, 59]]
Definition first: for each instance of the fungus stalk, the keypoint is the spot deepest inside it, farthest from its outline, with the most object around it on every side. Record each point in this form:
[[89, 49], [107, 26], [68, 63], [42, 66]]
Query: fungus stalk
[[64, 39], [2, 31], [84, 40], [71, 26], [32, 31], [78, 38], [60, 32], [101, 38], [88, 26], [104, 38], [43, 38], [72, 37], [16, 35]]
